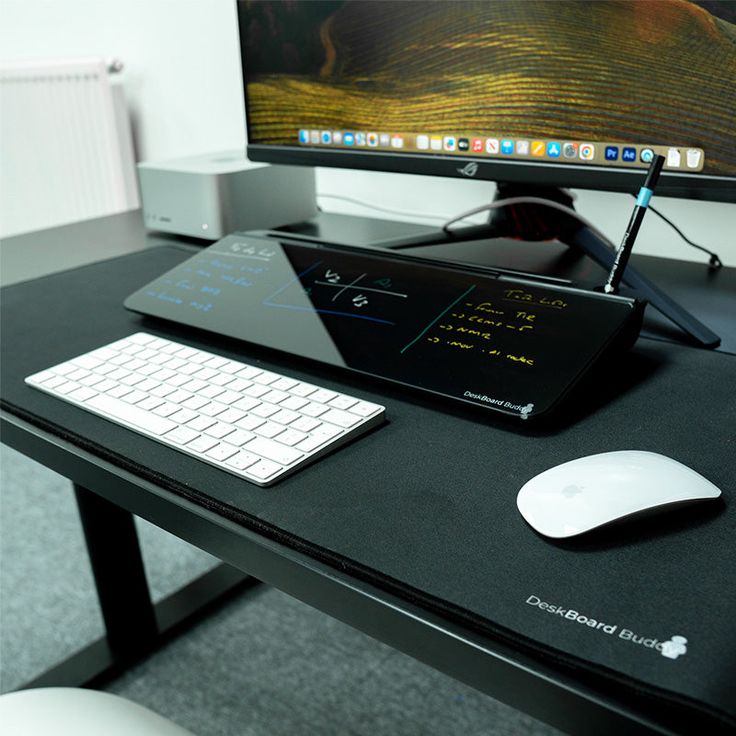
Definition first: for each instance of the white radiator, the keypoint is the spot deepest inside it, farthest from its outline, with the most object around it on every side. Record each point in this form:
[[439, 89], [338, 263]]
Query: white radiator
[[66, 150]]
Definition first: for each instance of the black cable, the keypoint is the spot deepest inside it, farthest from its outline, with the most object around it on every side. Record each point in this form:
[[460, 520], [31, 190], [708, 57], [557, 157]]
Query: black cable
[[714, 262]]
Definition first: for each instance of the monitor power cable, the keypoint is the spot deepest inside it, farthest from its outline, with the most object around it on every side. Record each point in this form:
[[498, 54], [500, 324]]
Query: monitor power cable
[[714, 262]]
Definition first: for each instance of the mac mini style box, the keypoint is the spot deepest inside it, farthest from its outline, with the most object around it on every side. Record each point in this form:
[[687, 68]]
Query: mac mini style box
[[211, 195]]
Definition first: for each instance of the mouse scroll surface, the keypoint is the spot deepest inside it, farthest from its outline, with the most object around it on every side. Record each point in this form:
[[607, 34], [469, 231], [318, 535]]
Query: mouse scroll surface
[[583, 494]]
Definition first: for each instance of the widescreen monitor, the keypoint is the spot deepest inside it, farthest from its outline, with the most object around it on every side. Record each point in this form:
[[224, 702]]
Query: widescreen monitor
[[569, 93]]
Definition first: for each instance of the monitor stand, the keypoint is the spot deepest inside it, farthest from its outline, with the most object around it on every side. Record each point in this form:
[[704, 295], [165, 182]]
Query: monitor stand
[[525, 222]]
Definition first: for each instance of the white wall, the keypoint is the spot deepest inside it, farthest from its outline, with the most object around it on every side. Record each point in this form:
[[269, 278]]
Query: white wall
[[183, 81]]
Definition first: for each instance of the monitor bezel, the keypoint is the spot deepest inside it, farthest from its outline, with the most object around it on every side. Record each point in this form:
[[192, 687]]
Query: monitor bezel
[[568, 176]]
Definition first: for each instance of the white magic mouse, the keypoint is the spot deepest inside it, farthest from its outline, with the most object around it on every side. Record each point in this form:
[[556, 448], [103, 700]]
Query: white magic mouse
[[589, 492]]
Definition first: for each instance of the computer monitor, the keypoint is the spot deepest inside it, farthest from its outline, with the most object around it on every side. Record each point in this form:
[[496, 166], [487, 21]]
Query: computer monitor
[[569, 93]]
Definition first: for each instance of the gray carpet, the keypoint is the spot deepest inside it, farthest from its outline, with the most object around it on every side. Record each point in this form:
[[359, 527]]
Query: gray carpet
[[262, 665]]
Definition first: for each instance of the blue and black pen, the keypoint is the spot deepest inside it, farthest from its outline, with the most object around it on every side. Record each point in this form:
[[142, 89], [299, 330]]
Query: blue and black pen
[[640, 209]]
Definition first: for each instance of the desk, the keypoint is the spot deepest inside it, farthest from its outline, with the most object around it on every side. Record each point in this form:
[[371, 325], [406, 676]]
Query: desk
[[420, 474]]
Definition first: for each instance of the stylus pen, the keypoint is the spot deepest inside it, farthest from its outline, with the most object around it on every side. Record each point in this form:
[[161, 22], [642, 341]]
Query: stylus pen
[[640, 209]]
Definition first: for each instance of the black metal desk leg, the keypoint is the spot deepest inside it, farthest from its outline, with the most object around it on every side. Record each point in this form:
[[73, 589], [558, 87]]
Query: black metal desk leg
[[120, 578], [135, 627]]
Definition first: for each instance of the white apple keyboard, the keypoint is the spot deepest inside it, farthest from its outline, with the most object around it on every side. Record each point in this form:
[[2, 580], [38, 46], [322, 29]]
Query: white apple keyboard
[[256, 424]]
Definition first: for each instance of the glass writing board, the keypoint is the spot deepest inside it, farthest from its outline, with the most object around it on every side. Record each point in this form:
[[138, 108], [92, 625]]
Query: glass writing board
[[509, 344]]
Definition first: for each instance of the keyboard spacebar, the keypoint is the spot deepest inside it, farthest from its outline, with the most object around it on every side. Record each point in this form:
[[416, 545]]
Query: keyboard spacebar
[[128, 414]]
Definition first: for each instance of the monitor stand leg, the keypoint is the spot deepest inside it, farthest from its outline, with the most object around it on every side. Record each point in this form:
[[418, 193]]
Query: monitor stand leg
[[590, 244]]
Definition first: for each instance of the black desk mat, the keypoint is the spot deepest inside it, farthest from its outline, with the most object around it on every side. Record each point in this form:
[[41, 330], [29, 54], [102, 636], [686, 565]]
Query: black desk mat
[[425, 505]]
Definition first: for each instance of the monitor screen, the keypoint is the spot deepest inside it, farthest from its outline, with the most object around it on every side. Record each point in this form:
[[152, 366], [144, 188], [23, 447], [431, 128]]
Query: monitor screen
[[568, 93]]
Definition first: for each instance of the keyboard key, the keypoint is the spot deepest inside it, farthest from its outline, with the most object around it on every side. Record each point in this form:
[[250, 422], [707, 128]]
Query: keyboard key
[[135, 396], [246, 404], [326, 431], [119, 391], [311, 444], [183, 416], [292, 437], [341, 418], [250, 423], [314, 410], [284, 416], [148, 370], [230, 416], [132, 379], [269, 429], [274, 397], [284, 384], [178, 380], [178, 397], [322, 395], [163, 374], [216, 362], [147, 384], [239, 385], [205, 373], [166, 409], [264, 378], [305, 424], [65, 369], [229, 397], [248, 372], [342, 402], [82, 393], [200, 423], [210, 391], [195, 402], [222, 452], [130, 414], [273, 450], [213, 409], [264, 469], [239, 437], [294, 403], [219, 430], [55, 381], [193, 385], [231, 367], [150, 403], [242, 460], [88, 362], [264, 410], [302, 389], [182, 435], [222, 379], [78, 374], [202, 444]]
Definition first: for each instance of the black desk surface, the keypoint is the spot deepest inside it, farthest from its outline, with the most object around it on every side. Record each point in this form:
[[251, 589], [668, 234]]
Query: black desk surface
[[424, 507]]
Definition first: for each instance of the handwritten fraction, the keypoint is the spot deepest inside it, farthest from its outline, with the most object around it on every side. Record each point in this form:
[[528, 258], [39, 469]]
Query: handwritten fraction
[[325, 289], [504, 328]]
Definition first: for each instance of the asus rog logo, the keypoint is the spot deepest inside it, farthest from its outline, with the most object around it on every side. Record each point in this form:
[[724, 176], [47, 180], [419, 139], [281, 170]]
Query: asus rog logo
[[470, 169]]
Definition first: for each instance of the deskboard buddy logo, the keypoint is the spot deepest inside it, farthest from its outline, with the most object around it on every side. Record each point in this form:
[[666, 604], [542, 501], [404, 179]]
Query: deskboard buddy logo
[[672, 648]]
